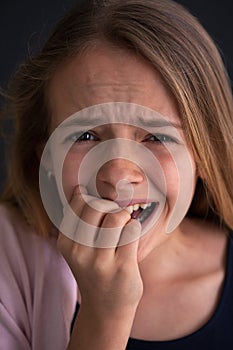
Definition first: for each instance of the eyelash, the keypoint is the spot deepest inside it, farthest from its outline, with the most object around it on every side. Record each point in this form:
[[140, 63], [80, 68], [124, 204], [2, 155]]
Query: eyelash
[[161, 138], [80, 138], [158, 138]]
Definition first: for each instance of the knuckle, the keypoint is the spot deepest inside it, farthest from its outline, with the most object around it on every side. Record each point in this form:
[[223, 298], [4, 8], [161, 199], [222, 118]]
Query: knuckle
[[113, 218], [100, 269], [118, 218], [79, 258]]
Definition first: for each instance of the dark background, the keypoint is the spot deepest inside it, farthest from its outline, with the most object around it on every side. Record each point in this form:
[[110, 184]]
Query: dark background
[[25, 24]]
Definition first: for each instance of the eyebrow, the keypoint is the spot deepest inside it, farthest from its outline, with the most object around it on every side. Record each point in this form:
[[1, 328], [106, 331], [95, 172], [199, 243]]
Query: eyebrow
[[82, 121], [159, 123], [99, 121]]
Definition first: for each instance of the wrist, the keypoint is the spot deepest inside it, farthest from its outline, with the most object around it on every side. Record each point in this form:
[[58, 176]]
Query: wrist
[[101, 331]]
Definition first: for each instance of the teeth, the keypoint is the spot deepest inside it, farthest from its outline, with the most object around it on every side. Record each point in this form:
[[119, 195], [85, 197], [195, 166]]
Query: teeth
[[135, 207], [129, 209]]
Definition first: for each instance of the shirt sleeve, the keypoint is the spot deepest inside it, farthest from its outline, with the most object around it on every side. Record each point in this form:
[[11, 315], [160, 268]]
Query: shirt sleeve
[[37, 289]]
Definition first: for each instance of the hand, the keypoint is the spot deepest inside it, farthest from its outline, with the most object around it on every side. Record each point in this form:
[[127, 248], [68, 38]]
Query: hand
[[108, 278]]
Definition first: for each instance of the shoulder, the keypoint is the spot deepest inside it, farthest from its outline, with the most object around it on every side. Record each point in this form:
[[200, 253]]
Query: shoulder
[[17, 237], [35, 280], [12, 221], [27, 260], [22, 249]]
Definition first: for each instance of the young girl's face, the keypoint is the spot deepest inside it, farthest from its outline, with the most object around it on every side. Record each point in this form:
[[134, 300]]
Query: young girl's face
[[108, 75]]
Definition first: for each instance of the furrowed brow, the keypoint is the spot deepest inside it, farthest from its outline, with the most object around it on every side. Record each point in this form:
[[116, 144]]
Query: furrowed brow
[[139, 121]]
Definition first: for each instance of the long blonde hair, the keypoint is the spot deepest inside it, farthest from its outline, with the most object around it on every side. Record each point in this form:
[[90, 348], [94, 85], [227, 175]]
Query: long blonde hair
[[174, 42]]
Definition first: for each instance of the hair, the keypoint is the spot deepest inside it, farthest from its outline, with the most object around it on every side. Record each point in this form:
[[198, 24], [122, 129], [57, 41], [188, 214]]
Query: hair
[[178, 47]]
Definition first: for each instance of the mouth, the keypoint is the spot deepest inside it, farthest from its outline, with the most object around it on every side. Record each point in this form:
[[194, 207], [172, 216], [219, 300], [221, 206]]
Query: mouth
[[141, 212]]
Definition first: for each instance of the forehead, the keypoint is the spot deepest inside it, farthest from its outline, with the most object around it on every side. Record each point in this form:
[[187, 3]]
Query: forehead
[[104, 75]]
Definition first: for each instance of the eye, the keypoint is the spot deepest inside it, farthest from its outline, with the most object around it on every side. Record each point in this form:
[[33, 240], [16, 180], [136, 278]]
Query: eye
[[85, 137], [161, 138]]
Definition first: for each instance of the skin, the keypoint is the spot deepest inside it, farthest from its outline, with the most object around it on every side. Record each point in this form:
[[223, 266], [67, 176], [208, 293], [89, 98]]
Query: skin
[[136, 282]]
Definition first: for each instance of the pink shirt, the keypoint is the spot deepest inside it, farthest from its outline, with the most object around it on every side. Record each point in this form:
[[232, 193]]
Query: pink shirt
[[37, 289]]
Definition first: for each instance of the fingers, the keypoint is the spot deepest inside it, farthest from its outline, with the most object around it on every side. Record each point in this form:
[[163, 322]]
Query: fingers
[[131, 232], [103, 249], [83, 216], [96, 222]]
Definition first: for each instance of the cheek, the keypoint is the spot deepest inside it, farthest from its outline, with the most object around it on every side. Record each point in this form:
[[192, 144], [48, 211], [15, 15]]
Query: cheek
[[178, 167], [169, 169], [181, 182], [171, 176], [177, 177], [70, 173]]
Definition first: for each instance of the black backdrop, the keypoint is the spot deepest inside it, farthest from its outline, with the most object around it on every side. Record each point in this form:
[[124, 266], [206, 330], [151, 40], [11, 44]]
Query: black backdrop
[[24, 25]]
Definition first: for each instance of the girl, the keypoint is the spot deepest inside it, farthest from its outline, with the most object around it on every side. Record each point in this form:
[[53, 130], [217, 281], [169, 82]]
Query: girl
[[145, 288]]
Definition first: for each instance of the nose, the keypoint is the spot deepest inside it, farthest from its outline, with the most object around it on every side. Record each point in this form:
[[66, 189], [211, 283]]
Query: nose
[[118, 175]]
